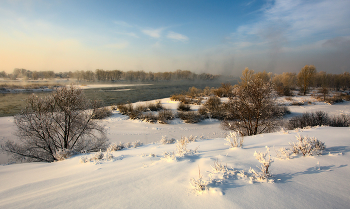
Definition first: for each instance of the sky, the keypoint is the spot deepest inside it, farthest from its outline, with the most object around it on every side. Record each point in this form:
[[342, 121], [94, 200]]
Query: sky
[[203, 36]]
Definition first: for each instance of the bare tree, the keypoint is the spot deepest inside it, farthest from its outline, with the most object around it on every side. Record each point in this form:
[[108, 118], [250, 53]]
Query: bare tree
[[57, 122], [253, 110]]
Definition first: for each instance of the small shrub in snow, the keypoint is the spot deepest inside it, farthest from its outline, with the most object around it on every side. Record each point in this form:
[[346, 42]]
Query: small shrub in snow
[[283, 153], [198, 184], [177, 97], [308, 146], [84, 160], [234, 139], [334, 99], [340, 121], [203, 111], [192, 138], [102, 113], [108, 156], [213, 108], [98, 156], [218, 167], [63, 154], [265, 160], [190, 117], [164, 116], [127, 144], [136, 144], [123, 109], [149, 117], [318, 118], [169, 156], [115, 147], [141, 108], [184, 107], [114, 107], [181, 147], [165, 140], [129, 110], [284, 131], [155, 106], [282, 110]]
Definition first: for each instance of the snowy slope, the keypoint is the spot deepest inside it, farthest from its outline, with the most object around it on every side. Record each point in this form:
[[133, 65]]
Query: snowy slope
[[141, 177], [134, 179]]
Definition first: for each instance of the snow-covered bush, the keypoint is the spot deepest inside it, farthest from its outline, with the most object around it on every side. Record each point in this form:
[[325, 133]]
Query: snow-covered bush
[[155, 106], [307, 146], [181, 146], [265, 160], [169, 156], [136, 144], [180, 150], [84, 159], [190, 117], [191, 138], [234, 139], [178, 97], [212, 108], [127, 144], [184, 107], [98, 156], [198, 184], [101, 113], [318, 118], [165, 140], [218, 167], [283, 153], [165, 115], [63, 154], [340, 121], [129, 110], [123, 109], [149, 117], [115, 147], [108, 156]]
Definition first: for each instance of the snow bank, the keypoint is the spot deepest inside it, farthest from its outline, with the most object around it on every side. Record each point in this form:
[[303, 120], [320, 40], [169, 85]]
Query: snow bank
[[140, 178]]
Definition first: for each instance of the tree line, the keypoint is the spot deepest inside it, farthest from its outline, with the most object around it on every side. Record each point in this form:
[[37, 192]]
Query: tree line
[[108, 75], [309, 77], [283, 83]]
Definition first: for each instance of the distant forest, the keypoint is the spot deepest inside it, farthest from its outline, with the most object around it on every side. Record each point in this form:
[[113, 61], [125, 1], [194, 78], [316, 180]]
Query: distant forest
[[108, 75], [283, 83]]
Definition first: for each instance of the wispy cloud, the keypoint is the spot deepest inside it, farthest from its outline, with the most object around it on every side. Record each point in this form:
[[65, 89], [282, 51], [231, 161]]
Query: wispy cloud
[[131, 34], [249, 3], [154, 33], [285, 21], [122, 23], [177, 36]]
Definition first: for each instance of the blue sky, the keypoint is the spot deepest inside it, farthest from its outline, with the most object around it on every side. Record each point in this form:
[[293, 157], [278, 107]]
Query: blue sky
[[220, 37]]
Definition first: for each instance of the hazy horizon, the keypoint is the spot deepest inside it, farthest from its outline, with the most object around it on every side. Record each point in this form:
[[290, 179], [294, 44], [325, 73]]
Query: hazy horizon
[[215, 37]]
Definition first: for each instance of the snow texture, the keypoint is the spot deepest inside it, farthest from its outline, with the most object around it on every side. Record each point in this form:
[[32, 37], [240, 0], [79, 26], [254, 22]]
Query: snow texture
[[214, 176]]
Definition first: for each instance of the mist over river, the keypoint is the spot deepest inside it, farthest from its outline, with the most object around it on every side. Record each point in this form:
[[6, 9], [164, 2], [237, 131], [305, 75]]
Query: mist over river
[[12, 103]]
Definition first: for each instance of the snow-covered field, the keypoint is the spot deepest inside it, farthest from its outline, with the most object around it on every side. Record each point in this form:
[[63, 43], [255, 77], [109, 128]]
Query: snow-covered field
[[143, 178]]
